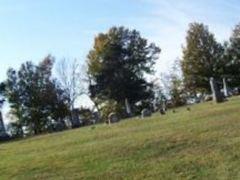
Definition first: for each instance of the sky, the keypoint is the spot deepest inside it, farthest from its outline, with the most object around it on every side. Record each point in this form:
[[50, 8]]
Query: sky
[[30, 30]]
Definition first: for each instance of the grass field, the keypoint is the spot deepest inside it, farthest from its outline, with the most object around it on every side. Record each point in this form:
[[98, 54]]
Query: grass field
[[201, 144]]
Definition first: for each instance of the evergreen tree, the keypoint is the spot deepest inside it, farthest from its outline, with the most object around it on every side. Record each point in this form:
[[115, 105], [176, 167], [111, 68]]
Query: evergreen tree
[[117, 66], [202, 58]]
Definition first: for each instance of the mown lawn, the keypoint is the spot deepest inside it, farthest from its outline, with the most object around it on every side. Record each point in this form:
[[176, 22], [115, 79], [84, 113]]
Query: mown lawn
[[201, 144]]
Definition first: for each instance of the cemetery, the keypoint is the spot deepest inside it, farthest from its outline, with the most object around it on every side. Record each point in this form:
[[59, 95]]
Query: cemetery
[[219, 94], [146, 89]]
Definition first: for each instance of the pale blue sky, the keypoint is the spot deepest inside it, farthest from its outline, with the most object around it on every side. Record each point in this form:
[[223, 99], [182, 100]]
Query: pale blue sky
[[31, 29]]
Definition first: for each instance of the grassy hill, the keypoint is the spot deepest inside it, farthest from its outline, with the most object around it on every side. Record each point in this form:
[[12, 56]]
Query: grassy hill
[[201, 144]]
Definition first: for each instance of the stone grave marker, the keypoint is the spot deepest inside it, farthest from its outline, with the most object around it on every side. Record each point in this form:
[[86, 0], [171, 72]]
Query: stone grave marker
[[145, 113], [112, 118], [216, 93]]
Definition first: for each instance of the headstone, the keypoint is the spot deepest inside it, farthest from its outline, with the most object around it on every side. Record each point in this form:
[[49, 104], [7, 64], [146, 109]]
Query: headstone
[[2, 128], [163, 108], [112, 118], [3, 134], [208, 98], [145, 113], [59, 126], [235, 92], [225, 88], [95, 117], [75, 120], [128, 107], [68, 123], [162, 112], [216, 93], [56, 126]]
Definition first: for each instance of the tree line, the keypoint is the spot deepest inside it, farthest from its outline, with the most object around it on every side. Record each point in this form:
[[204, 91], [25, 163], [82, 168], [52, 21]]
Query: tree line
[[114, 77]]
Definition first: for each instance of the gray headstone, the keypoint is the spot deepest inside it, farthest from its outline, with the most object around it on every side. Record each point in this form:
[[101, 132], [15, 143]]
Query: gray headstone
[[75, 120], [163, 108], [3, 133], [112, 118], [145, 113], [216, 93], [59, 126], [96, 117], [2, 128]]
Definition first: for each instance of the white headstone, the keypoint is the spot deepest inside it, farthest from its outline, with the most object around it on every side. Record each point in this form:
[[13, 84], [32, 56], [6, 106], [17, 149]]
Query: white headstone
[[225, 88], [2, 128], [128, 107]]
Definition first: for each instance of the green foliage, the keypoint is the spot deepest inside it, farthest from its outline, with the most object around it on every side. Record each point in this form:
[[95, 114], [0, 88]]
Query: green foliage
[[117, 65], [202, 58], [34, 97], [232, 58]]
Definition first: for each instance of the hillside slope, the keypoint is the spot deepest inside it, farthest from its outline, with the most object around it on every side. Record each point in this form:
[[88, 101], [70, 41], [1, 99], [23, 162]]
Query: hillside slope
[[201, 144]]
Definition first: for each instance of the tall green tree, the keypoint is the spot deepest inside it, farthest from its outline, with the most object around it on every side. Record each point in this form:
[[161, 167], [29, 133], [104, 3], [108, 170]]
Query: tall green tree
[[177, 91], [232, 58], [34, 97], [202, 58], [117, 66]]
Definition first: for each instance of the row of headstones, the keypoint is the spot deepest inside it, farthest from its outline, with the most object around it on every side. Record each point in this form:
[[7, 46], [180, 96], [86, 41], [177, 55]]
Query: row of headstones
[[147, 113], [113, 118], [75, 121], [218, 97]]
